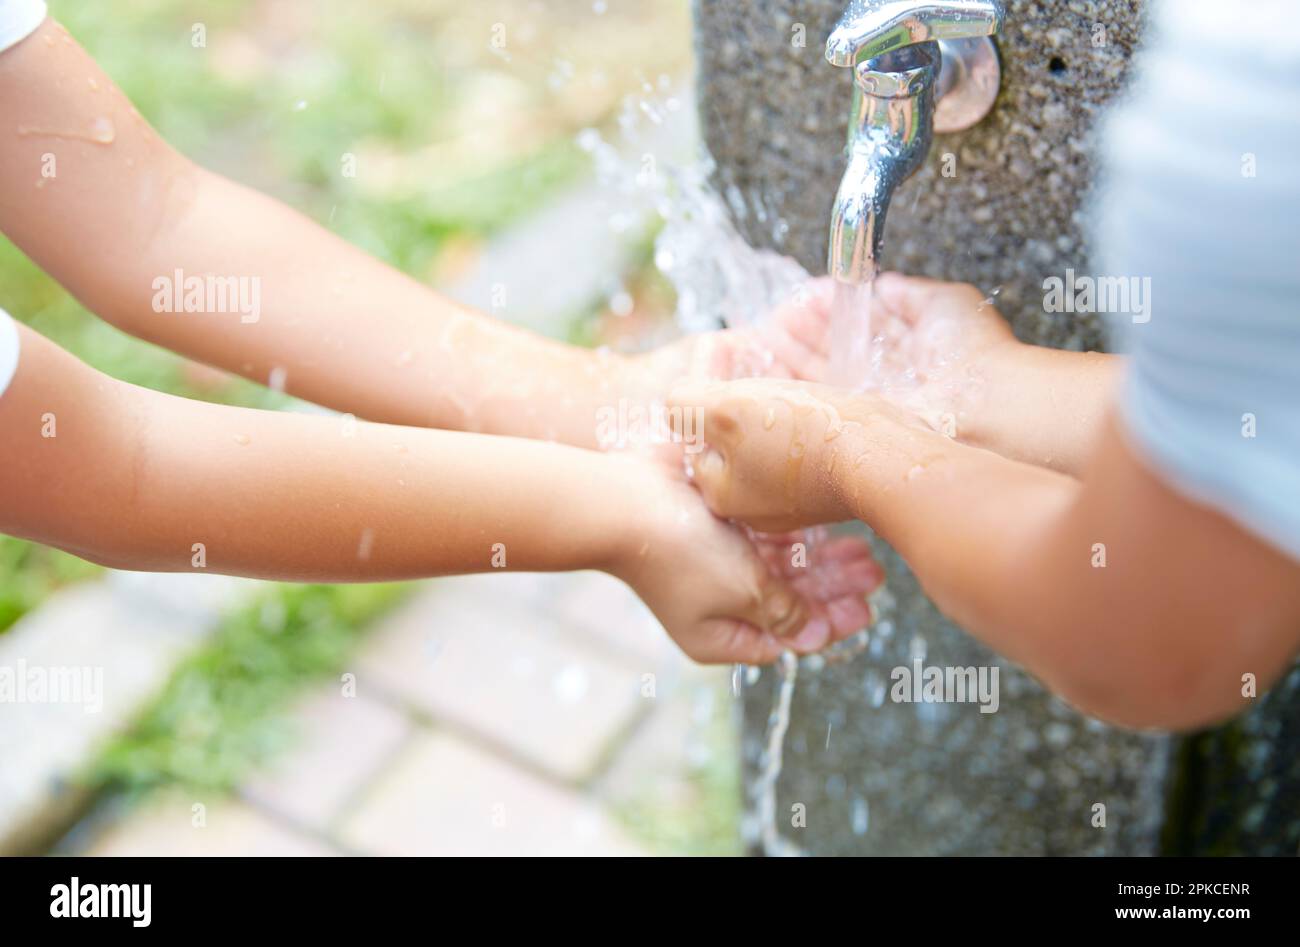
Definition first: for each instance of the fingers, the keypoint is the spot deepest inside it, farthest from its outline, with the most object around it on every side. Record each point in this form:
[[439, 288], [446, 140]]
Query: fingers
[[832, 580], [798, 334], [835, 584], [806, 320], [814, 635], [910, 297], [736, 642], [848, 615], [798, 359]]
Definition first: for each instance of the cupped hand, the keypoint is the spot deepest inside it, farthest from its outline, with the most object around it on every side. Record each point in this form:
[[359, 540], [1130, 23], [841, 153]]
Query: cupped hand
[[725, 596], [792, 341], [937, 347]]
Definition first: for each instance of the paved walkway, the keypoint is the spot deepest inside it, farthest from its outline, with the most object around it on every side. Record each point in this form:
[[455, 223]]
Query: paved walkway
[[496, 714]]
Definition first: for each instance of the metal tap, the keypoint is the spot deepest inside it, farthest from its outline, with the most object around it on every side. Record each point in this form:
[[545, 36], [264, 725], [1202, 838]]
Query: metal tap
[[917, 67]]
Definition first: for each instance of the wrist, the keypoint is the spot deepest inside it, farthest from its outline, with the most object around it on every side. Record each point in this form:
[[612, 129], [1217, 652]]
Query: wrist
[[980, 415], [885, 447], [626, 502]]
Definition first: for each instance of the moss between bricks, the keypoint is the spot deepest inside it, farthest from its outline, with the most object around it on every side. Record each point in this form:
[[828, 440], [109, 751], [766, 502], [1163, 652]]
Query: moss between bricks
[[221, 714]]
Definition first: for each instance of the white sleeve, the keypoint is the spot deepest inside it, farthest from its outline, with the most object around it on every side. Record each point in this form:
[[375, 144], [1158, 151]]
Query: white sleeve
[[18, 20], [1203, 198], [8, 350]]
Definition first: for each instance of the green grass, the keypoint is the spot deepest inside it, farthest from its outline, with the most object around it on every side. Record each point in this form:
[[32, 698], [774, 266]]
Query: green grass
[[222, 711], [277, 105], [31, 572], [703, 819]]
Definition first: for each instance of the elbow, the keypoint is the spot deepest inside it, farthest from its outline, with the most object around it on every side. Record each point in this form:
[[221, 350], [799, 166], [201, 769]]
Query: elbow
[[1178, 692]]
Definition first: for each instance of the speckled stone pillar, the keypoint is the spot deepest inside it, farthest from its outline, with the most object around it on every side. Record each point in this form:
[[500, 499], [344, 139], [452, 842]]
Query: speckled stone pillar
[[875, 776]]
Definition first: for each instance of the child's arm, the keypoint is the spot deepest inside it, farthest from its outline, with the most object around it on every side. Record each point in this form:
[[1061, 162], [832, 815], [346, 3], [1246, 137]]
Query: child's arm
[[134, 479], [1123, 596], [125, 219]]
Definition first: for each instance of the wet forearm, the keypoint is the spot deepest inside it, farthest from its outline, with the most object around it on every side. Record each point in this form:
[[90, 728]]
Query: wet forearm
[[1043, 406], [1041, 568], [194, 262], [139, 480]]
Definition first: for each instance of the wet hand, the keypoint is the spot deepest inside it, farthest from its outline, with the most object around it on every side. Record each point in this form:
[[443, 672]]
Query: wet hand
[[947, 338], [791, 341], [777, 451], [728, 597]]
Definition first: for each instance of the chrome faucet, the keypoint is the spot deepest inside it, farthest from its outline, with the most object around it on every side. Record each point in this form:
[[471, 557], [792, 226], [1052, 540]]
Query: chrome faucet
[[906, 56]]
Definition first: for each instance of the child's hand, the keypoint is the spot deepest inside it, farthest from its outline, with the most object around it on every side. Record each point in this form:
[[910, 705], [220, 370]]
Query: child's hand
[[779, 451], [948, 336], [791, 342], [724, 597]]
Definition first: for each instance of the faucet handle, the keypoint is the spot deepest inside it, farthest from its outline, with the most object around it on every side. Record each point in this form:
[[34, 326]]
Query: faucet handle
[[871, 28]]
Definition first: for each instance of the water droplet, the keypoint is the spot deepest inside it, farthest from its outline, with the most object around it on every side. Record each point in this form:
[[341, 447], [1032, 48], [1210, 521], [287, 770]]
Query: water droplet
[[243, 440], [102, 131], [861, 816]]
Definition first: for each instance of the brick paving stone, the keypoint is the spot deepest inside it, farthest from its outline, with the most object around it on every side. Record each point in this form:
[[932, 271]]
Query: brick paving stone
[[445, 796], [342, 744], [165, 826], [508, 673]]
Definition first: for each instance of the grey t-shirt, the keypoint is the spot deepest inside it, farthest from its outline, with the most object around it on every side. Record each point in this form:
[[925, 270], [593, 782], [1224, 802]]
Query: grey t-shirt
[[1202, 195]]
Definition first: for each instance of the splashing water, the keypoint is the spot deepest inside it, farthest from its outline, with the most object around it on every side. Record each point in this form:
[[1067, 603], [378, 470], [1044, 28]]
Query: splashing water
[[721, 279], [764, 791]]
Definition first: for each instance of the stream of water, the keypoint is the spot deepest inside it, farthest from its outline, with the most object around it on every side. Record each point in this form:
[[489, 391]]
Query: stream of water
[[721, 280], [718, 276]]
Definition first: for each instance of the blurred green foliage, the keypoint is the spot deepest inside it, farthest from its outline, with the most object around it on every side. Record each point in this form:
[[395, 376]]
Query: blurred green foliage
[[30, 573], [700, 818], [278, 96], [218, 716], [277, 105]]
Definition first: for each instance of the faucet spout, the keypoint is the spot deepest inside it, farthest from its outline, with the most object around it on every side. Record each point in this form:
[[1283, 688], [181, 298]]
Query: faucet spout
[[905, 54], [890, 129]]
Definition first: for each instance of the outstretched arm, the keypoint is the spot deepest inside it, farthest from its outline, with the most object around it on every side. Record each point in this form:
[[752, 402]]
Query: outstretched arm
[[135, 479], [138, 480], [124, 210], [1113, 590], [126, 220]]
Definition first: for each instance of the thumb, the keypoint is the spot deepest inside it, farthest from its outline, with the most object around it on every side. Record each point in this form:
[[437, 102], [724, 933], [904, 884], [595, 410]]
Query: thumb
[[777, 608]]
